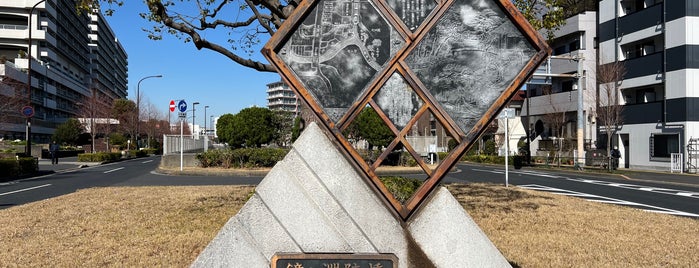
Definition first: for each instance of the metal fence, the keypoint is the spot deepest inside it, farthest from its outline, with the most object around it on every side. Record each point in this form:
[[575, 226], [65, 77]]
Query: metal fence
[[676, 163], [173, 144]]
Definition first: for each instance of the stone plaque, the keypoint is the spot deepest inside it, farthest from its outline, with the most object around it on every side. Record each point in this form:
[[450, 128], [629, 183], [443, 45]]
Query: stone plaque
[[334, 261]]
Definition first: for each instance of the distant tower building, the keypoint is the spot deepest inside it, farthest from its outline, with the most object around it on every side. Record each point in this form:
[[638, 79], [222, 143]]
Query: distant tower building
[[108, 60], [281, 98]]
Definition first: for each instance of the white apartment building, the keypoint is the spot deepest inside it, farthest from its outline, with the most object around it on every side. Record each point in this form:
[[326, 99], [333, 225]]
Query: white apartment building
[[71, 54], [552, 100], [281, 98], [658, 42]]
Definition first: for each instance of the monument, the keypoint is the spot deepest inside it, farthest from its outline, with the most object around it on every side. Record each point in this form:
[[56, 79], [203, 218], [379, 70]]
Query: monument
[[449, 66]]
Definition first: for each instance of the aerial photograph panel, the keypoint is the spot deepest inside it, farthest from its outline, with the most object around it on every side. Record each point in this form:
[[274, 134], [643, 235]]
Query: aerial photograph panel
[[338, 50]]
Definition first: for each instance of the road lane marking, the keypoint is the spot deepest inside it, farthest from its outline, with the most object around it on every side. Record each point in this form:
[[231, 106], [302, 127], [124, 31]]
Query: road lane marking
[[109, 171], [147, 161], [609, 200], [641, 188], [532, 173], [26, 189]]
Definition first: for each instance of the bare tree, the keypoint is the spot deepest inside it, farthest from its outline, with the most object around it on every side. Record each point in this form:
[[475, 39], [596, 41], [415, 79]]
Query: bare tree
[[609, 105], [155, 123], [249, 23], [95, 110], [555, 118], [10, 101]]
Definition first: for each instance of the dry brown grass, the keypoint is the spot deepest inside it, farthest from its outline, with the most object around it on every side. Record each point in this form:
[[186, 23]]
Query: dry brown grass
[[169, 226], [534, 229], [117, 227]]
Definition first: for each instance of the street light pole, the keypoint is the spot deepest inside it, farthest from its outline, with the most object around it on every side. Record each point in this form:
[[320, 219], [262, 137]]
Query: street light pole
[[205, 107], [194, 118], [138, 104], [28, 149]]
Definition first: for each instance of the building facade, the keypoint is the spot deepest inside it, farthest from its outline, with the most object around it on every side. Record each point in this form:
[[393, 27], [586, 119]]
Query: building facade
[[71, 54], [550, 109], [281, 98], [658, 43]]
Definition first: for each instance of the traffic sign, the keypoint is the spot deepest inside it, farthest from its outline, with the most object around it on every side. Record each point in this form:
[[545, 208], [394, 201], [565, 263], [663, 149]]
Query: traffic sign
[[172, 105], [183, 115], [28, 111], [182, 106]]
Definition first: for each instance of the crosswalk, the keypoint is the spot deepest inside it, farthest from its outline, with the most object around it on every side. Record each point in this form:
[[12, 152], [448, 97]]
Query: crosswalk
[[609, 200]]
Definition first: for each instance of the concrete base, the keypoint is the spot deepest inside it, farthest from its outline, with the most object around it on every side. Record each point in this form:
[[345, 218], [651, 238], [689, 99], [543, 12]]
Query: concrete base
[[314, 201]]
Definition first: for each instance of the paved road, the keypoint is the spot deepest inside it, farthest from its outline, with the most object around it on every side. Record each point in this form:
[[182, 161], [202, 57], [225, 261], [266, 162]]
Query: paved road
[[656, 196], [657, 192], [69, 177]]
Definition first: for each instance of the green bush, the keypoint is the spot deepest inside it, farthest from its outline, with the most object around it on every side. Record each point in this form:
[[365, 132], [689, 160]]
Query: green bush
[[489, 159], [244, 157], [211, 158], [99, 157], [16, 167], [8, 168], [402, 188]]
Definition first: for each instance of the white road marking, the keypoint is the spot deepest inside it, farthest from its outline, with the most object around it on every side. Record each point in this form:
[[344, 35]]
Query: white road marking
[[147, 161], [641, 188], [109, 171], [603, 199], [27, 189]]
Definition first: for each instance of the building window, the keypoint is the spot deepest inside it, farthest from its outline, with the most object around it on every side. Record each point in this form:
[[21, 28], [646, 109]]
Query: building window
[[664, 144]]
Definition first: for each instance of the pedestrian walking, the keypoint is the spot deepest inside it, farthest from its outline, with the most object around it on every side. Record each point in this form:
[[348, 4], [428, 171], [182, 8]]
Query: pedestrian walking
[[53, 149], [615, 157]]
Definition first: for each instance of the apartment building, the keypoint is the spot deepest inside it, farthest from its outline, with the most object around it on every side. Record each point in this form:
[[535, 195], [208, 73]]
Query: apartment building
[[551, 107], [281, 98], [71, 54], [658, 43]]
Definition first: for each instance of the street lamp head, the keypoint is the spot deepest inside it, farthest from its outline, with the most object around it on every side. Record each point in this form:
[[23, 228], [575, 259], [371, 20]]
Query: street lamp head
[[206, 107], [195, 103]]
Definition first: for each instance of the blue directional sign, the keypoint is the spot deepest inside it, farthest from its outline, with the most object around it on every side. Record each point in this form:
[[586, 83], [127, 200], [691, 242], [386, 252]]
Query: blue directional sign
[[182, 106]]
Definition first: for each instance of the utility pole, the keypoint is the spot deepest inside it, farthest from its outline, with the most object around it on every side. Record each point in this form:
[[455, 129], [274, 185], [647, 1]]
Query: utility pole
[[28, 149], [580, 109]]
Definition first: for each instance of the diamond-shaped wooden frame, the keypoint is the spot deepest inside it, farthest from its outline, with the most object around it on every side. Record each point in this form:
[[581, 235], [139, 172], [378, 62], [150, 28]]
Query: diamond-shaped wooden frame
[[464, 138]]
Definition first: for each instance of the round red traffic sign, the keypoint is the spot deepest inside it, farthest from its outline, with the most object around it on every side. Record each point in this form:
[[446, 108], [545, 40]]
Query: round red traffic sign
[[28, 111], [172, 106]]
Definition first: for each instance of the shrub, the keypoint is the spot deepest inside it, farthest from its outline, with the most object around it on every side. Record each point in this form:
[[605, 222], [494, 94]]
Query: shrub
[[245, 157], [10, 167], [402, 188], [99, 157], [210, 158]]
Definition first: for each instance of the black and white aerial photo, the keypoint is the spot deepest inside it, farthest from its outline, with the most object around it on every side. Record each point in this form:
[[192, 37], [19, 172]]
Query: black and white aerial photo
[[469, 58], [412, 12], [337, 51], [398, 101]]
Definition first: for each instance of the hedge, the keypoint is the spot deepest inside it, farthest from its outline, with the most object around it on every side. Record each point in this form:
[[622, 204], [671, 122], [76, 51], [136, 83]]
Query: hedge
[[10, 167], [99, 157], [241, 158]]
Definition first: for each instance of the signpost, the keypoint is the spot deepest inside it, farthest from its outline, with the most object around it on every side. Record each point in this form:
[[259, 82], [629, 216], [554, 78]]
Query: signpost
[[507, 114], [28, 111], [182, 107]]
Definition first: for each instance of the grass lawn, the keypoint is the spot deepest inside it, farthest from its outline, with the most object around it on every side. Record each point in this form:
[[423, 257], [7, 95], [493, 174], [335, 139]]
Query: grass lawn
[[169, 226]]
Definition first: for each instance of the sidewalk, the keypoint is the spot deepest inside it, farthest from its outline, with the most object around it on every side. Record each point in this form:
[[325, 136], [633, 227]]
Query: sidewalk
[[64, 163]]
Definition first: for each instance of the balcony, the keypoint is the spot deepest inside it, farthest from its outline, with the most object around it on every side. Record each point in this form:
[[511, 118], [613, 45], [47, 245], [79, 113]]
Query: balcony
[[642, 113], [642, 19], [651, 64]]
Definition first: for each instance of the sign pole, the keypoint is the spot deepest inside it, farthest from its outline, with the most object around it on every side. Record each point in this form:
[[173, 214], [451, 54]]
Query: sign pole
[[507, 152], [181, 143]]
